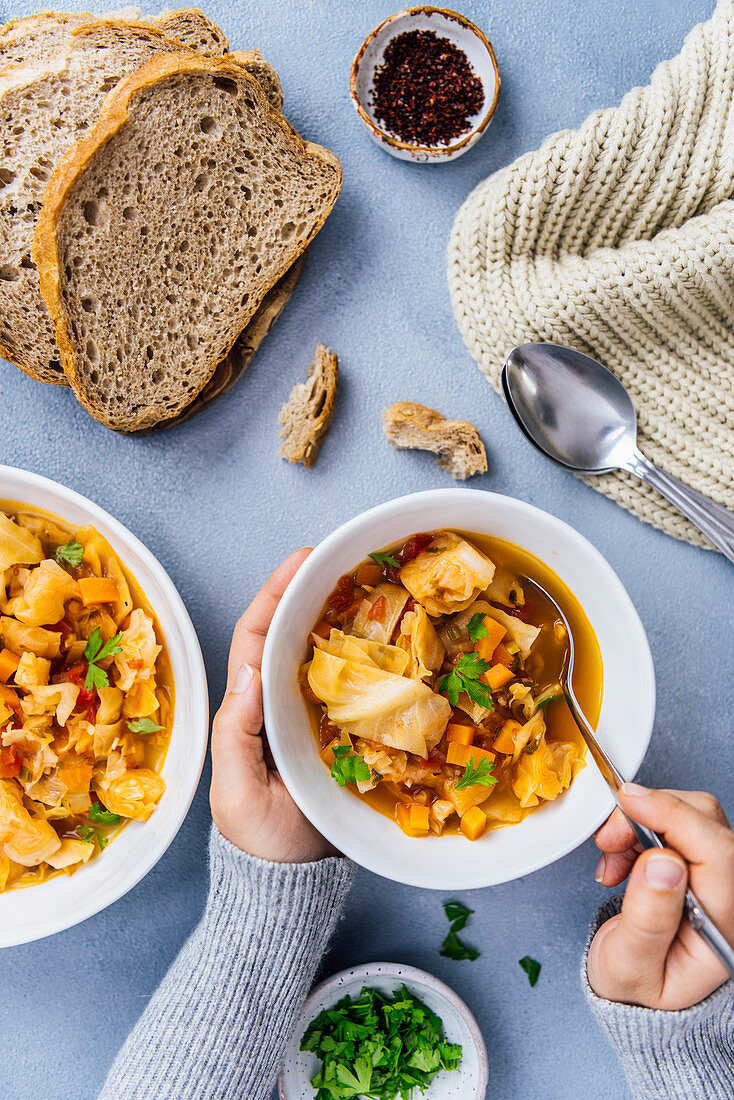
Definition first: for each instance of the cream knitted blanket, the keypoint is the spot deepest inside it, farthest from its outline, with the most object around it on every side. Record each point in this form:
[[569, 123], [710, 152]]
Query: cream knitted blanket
[[618, 239]]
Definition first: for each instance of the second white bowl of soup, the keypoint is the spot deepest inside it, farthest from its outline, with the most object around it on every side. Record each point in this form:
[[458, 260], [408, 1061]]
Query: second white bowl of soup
[[411, 695], [103, 708]]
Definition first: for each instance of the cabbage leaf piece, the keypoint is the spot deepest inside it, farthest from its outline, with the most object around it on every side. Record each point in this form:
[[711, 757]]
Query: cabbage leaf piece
[[378, 614], [505, 589], [24, 839], [18, 546], [387, 657], [547, 772], [364, 701], [448, 575], [419, 639], [45, 594], [18, 637], [104, 562]]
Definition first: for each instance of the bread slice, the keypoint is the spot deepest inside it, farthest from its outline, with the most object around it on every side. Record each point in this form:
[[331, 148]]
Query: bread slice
[[163, 230], [36, 36], [231, 369], [44, 109], [263, 72], [456, 442], [193, 29], [306, 416]]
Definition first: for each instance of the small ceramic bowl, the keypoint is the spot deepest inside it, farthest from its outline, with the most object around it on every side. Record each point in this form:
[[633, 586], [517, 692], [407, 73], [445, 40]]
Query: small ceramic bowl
[[468, 1082], [446, 24]]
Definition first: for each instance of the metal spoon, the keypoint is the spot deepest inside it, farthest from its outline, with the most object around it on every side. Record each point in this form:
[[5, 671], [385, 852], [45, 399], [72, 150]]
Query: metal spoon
[[699, 920], [577, 413]]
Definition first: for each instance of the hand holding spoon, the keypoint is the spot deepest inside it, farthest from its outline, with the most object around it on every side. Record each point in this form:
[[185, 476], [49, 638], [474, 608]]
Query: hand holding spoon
[[577, 413], [699, 919]]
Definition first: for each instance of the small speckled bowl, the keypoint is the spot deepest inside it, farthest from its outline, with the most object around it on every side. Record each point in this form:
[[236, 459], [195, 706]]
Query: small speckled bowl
[[446, 24], [468, 1082]]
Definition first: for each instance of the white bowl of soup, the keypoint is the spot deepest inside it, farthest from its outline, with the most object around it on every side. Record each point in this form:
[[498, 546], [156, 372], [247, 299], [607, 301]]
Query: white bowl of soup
[[103, 708], [411, 690]]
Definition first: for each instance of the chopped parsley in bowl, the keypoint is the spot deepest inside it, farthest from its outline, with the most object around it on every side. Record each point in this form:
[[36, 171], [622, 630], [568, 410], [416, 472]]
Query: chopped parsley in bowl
[[386, 1032]]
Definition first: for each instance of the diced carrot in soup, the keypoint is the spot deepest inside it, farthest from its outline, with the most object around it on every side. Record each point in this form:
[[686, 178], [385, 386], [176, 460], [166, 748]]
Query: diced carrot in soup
[[412, 819], [502, 655], [505, 739], [473, 823], [459, 734], [497, 676], [98, 590], [369, 572], [462, 754], [495, 633], [8, 663]]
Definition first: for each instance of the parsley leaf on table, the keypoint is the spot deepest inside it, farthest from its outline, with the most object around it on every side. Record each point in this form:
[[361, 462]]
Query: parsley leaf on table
[[96, 651], [383, 559], [452, 947], [476, 627], [143, 726], [71, 553], [477, 776], [531, 968], [466, 677], [348, 767]]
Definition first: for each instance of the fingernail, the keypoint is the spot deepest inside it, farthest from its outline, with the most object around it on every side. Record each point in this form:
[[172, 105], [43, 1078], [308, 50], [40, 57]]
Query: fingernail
[[242, 680], [600, 869], [635, 790], [663, 873]]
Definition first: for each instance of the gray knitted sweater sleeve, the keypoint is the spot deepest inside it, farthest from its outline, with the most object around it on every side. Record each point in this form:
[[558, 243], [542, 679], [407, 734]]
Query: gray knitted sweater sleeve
[[686, 1055], [217, 1026]]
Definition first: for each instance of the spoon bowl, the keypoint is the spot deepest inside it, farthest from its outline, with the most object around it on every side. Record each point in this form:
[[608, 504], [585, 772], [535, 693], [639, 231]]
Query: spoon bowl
[[578, 414]]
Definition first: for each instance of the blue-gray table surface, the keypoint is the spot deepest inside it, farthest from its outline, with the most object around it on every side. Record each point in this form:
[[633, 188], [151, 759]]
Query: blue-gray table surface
[[218, 507]]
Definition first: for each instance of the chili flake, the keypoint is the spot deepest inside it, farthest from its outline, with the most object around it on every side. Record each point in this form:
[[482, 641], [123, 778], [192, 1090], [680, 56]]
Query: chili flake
[[425, 91]]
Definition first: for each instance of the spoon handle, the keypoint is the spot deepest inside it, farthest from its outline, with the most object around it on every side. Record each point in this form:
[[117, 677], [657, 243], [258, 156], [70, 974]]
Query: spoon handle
[[716, 522], [697, 916]]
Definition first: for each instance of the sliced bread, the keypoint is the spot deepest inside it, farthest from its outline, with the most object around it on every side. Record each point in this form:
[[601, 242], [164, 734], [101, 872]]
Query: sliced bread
[[306, 417], [163, 230], [36, 36], [456, 442], [44, 109], [231, 368], [194, 29]]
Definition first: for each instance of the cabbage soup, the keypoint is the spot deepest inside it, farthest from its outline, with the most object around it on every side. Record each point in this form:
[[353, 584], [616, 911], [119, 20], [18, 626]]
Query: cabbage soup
[[432, 683], [86, 697]]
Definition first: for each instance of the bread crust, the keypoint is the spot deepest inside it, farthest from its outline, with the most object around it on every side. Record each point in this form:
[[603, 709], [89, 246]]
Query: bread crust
[[457, 443], [307, 414], [113, 116]]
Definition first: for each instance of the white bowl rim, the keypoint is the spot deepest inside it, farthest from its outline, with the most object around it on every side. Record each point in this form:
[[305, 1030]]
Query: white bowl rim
[[371, 860], [405, 974], [134, 875]]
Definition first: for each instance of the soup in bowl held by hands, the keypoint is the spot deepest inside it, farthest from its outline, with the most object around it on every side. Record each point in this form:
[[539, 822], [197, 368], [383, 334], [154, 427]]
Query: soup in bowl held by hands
[[412, 669]]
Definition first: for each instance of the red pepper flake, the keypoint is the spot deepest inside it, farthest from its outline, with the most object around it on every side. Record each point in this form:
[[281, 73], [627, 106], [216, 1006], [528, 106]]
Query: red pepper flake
[[425, 91]]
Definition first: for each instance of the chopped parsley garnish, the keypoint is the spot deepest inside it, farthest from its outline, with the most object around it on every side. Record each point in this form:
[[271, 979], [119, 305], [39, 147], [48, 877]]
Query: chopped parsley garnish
[[348, 767], [101, 816], [87, 834], [71, 553], [143, 726], [531, 968], [452, 947], [96, 651], [476, 627], [379, 1046], [385, 559], [477, 776], [466, 677]]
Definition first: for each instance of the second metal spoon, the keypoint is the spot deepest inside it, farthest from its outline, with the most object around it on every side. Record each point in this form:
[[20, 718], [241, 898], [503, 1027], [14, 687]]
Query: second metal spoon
[[577, 413]]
